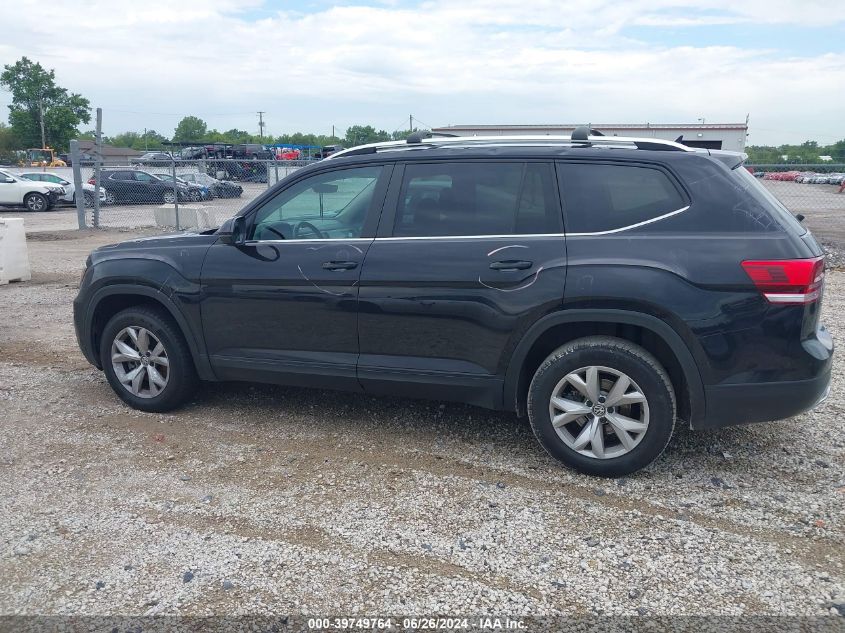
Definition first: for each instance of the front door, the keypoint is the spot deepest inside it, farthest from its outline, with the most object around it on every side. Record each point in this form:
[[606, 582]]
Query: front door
[[283, 307], [468, 256]]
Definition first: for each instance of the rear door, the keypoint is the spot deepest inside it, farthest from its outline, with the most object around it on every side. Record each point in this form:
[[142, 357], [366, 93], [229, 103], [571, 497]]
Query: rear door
[[468, 255]]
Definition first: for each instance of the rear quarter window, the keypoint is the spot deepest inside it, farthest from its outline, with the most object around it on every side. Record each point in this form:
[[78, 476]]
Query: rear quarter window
[[606, 197]]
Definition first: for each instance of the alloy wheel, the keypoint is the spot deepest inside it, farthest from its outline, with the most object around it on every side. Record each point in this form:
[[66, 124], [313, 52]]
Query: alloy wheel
[[35, 203], [140, 362], [599, 412]]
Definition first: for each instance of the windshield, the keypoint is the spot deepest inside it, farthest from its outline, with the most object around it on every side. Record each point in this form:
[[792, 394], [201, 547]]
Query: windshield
[[40, 154], [6, 174]]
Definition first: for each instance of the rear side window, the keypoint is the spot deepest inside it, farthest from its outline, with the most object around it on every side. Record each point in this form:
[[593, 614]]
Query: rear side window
[[601, 197], [442, 199], [123, 175]]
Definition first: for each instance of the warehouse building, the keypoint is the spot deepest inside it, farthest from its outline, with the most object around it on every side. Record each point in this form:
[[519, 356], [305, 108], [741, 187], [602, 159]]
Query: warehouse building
[[729, 136]]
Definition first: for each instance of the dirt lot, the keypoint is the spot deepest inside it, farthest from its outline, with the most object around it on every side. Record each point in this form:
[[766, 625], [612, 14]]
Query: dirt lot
[[259, 499]]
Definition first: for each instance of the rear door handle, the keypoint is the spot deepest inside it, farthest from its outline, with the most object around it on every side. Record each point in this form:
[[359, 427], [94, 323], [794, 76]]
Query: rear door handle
[[511, 264], [336, 265]]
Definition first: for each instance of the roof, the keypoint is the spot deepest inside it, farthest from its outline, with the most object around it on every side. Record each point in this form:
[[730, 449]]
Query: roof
[[109, 150]]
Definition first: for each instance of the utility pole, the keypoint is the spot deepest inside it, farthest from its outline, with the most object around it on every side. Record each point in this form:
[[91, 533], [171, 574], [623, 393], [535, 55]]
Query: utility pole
[[261, 124], [41, 111], [332, 131], [410, 122]]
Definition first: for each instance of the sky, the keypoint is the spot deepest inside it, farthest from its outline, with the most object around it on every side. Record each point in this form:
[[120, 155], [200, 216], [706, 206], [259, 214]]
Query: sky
[[312, 65]]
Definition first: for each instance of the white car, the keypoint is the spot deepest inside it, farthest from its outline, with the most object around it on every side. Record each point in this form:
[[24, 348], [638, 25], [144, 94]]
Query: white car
[[70, 190], [34, 196]]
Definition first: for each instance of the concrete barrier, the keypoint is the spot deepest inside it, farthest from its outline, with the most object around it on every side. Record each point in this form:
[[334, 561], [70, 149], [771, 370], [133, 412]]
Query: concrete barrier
[[14, 260], [189, 217]]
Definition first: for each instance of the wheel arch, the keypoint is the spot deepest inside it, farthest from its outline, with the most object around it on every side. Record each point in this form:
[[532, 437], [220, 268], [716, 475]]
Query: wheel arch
[[653, 334], [110, 300]]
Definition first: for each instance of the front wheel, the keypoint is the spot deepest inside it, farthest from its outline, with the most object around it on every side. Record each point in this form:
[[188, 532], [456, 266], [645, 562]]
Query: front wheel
[[196, 196], [36, 202], [169, 197], [146, 360], [602, 405], [110, 198]]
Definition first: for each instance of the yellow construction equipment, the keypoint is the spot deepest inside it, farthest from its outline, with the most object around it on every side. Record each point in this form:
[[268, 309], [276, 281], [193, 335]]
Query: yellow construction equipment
[[43, 157]]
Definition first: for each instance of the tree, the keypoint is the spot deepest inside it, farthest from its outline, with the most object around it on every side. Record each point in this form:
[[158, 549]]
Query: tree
[[8, 143], [190, 128], [40, 105], [363, 134]]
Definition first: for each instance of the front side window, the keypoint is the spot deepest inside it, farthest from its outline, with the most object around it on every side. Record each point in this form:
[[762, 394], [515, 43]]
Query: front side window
[[492, 198], [602, 197], [328, 205]]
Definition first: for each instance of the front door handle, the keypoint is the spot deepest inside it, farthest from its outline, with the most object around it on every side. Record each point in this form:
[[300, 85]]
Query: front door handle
[[336, 265], [511, 264]]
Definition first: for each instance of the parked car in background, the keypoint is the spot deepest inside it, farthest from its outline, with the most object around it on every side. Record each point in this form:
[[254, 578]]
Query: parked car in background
[[16, 191], [218, 188], [286, 153], [196, 191], [70, 189], [153, 157], [192, 153], [251, 151], [328, 150], [134, 185]]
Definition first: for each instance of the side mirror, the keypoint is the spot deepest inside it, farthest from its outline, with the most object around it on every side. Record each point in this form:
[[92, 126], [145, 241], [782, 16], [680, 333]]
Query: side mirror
[[233, 231], [8, 179]]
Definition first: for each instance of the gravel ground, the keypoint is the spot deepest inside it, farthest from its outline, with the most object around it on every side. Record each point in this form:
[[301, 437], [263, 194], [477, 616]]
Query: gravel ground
[[257, 499]]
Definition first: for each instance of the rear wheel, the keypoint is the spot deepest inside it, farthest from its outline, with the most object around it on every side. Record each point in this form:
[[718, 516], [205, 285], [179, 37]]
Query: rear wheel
[[169, 197], [146, 360], [89, 200], [196, 195], [602, 405], [110, 199], [36, 202]]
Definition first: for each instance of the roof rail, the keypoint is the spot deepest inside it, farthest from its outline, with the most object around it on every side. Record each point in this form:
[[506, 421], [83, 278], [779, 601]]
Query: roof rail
[[580, 140]]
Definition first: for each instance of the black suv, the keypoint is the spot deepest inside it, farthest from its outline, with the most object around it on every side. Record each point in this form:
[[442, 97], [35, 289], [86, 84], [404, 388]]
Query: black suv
[[136, 186], [604, 286]]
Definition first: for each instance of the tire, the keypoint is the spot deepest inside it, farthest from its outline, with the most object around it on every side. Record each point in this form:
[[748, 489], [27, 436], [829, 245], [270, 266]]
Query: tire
[[168, 197], [36, 202], [196, 196], [648, 403], [179, 374], [110, 199], [88, 200]]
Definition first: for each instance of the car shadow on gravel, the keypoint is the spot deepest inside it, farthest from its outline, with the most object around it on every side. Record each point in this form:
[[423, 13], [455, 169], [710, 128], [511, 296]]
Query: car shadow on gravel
[[425, 424]]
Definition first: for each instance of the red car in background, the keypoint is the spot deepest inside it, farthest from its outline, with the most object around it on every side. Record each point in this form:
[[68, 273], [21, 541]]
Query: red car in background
[[286, 153]]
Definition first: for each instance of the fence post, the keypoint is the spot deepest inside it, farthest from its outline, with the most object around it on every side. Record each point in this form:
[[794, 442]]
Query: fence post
[[97, 162], [175, 191], [79, 193], [276, 167]]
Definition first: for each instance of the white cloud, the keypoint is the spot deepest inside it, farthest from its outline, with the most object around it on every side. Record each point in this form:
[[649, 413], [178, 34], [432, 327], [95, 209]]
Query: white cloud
[[477, 61]]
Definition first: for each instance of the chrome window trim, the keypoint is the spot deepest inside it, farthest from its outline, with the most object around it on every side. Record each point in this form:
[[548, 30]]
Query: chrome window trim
[[311, 240], [475, 237], [631, 226]]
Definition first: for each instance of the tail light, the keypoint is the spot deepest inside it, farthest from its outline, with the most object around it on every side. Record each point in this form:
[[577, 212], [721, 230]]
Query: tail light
[[92, 181], [788, 281]]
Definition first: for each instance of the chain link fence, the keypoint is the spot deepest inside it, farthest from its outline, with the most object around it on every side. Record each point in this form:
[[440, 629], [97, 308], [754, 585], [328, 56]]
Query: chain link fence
[[178, 194], [197, 194]]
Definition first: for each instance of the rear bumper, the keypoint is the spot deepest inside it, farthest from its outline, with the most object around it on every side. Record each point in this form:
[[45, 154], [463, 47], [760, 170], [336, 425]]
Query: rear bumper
[[731, 404]]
